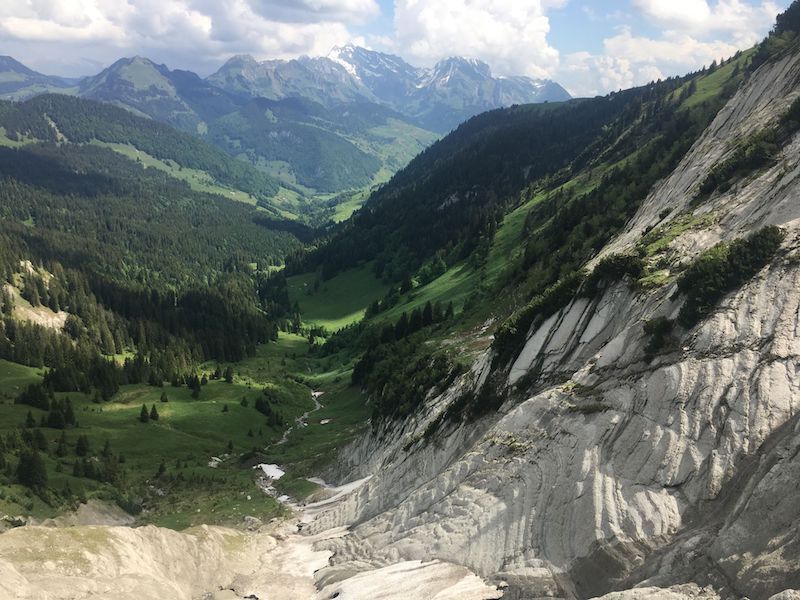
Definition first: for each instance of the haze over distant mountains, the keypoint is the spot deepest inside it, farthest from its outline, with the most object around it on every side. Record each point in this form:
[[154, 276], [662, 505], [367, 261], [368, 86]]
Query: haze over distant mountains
[[345, 121], [437, 99]]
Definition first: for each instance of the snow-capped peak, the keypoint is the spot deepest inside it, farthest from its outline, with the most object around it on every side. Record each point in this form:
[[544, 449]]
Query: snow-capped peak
[[339, 55]]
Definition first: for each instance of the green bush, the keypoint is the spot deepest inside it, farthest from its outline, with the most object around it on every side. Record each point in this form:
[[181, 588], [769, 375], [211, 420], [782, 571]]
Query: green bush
[[613, 268], [659, 330], [723, 269], [755, 153], [510, 337], [589, 409]]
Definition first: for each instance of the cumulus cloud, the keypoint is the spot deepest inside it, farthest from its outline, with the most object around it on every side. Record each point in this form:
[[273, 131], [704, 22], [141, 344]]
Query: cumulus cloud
[[628, 60], [511, 36], [76, 36], [700, 17], [694, 33]]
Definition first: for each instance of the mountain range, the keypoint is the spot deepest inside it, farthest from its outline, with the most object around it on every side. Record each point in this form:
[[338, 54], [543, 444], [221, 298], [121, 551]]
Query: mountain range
[[321, 125], [437, 99]]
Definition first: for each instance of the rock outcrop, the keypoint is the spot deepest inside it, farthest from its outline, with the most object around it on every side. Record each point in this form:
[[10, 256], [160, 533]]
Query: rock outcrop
[[608, 468]]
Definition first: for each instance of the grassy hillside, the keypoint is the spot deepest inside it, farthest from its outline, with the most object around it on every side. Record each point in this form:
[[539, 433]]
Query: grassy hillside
[[337, 302], [222, 422]]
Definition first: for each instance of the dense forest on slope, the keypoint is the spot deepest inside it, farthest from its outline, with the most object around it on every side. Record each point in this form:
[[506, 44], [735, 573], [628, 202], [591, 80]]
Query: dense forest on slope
[[173, 266], [137, 224], [454, 192], [50, 116], [310, 138], [115, 276]]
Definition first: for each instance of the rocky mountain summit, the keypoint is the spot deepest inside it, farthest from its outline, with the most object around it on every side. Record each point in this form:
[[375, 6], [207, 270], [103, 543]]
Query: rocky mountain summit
[[437, 99]]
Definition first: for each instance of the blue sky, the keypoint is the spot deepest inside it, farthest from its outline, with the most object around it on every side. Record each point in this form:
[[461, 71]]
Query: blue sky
[[589, 46]]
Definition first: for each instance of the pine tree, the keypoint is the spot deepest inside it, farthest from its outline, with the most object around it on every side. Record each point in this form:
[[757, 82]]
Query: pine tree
[[224, 408], [164, 397], [144, 416], [31, 470], [69, 414], [39, 441], [29, 420], [153, 413], [82, 446], [162, 469], [229, 375], [427, 314], [106, 452], [401, 328], [62, 450], [415, 321]]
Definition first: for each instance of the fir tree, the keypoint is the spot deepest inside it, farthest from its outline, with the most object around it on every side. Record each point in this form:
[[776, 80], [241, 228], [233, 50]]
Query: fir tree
[[144, 416], [427, 314], [62, 449], [31, 470], [153, 413], [39, 441], [82, 447]]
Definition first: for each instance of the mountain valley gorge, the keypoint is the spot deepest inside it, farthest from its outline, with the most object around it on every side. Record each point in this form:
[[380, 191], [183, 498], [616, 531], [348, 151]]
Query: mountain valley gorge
[[555, 355]]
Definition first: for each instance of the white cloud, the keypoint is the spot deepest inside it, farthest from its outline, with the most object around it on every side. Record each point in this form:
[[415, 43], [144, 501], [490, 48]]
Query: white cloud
[[630, 60], [510, 36], [699, 17], [352, 11], [77, 36], [694, 33]]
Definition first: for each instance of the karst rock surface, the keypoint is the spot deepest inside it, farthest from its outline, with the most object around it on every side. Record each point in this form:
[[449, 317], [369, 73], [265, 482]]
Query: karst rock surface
[[685, 486]]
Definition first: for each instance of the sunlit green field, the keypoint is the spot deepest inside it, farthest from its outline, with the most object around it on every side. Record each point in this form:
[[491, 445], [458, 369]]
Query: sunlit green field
[[339, 301]]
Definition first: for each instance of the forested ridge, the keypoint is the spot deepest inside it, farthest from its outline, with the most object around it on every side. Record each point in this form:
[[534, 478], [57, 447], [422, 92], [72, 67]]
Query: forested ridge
[[457, 190], [165, 266], [82, 121], [313, 140]]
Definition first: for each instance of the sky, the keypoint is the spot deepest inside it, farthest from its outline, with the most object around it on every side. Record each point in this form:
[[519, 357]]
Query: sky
[[589, 46]]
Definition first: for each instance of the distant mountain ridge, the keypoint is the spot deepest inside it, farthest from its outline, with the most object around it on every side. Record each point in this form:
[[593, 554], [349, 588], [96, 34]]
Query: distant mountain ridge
[[325, 125], [437, 99], [18, 82]]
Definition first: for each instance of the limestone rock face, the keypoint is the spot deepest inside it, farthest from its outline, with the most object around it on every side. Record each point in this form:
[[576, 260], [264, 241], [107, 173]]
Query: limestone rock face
[[117, 562], [607, 468]]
